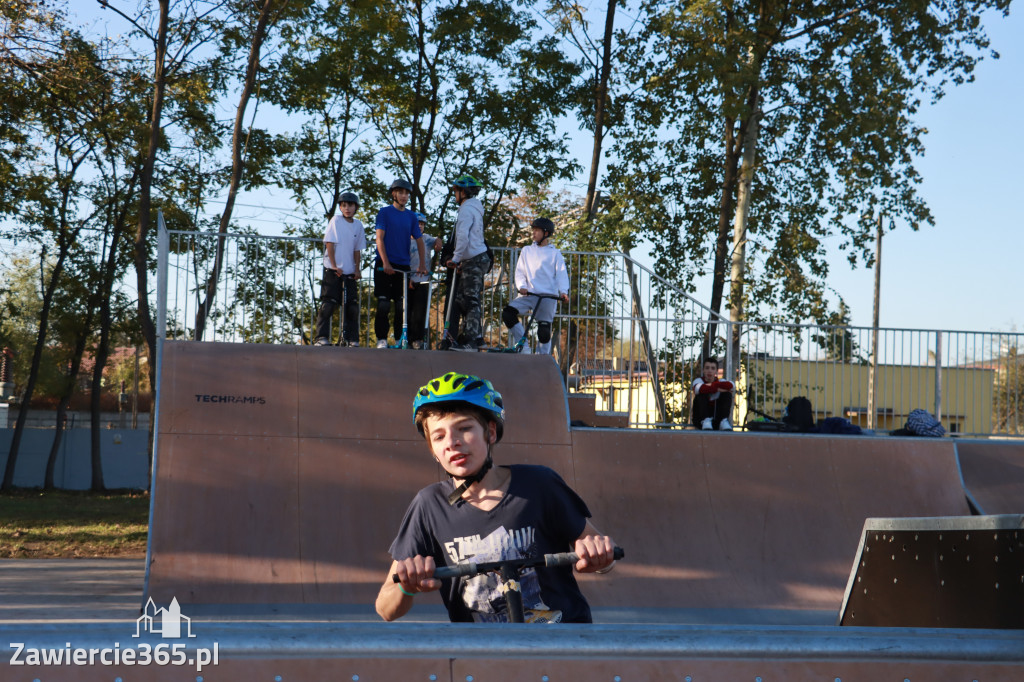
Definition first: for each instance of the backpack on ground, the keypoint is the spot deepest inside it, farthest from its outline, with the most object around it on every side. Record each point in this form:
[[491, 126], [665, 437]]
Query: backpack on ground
[[799, 414], [922, 423]]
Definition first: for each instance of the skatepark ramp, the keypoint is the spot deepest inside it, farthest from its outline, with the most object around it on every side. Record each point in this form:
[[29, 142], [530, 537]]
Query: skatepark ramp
[[282, 473], [993, 475]]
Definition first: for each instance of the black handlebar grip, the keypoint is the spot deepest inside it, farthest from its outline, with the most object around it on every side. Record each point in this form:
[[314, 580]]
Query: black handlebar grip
[[559, 559]]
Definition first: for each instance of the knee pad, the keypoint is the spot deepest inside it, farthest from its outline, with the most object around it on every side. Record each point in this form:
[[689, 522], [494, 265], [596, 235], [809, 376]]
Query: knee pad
[[543, 332], [510, 316], [383, 304]]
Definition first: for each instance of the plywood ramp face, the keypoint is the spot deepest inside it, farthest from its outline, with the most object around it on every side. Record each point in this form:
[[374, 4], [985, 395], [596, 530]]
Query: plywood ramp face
[[737, 521], [297, 498], [225, 515], [993, 473], [368, 393], [284, 472], [229, 388], [352, 496]]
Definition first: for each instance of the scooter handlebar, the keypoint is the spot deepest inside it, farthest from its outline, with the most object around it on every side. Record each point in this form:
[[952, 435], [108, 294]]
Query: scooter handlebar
[[468, 569]]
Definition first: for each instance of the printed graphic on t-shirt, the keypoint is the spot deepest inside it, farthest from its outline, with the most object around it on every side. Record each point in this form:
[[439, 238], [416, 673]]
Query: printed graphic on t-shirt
[[482, 594]]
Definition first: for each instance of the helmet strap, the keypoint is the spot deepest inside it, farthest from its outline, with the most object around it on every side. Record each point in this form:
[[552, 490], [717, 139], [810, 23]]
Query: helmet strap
[[456, 494]]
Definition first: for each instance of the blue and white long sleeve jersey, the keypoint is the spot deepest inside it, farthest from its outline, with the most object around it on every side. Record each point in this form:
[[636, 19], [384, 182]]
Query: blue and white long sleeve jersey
[[541, 270], [469, 231]]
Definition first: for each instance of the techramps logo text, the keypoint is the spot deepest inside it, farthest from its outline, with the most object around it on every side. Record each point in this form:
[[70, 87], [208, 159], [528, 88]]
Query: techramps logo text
[[167, 622], [230, 399]]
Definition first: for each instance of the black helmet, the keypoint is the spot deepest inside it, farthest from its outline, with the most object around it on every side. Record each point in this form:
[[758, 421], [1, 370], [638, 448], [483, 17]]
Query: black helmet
[[401, 184], [348, 198], [543, 224]]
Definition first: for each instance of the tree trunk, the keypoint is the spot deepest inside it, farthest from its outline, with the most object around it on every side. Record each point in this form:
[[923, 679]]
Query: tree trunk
[[65, 240], [725, 209], [141, 254], [65, 399], [739, 232], [108, 275], [600, 102], [249, 84], [33, 375]]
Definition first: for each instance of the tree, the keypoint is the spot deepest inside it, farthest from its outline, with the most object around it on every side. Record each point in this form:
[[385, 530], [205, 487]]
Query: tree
[[56, 141], [181, 98], [320, 79], [595, 94], [251, 30], [78, 329], [1008, 400], [21, 301], [762, 127], [470, 88]]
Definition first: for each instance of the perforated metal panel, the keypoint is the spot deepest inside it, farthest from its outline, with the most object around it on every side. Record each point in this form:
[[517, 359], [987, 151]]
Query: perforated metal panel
[[949, 572]]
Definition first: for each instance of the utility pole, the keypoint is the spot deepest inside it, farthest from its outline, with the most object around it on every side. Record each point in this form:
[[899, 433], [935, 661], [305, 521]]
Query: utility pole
[[874, 327]]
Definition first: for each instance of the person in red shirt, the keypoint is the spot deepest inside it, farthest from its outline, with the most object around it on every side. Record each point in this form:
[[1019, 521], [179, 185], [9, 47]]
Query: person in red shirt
[[712, 399]]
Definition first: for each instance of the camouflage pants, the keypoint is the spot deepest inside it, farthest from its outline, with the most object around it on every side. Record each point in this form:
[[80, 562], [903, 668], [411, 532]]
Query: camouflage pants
[[469, 294]]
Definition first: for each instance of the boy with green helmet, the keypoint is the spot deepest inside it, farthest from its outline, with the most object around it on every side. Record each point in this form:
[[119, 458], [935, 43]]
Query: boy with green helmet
[[487, 513], [471, 259]]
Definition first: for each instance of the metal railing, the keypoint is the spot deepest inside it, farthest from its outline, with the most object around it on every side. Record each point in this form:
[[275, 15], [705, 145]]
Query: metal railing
[[972, 381], [628, 337]]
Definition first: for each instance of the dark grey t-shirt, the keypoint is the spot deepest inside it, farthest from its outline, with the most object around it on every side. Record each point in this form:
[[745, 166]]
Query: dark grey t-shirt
[[540, 514]]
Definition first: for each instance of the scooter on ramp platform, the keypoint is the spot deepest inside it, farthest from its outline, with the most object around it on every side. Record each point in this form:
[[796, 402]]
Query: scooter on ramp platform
[[521, 343]]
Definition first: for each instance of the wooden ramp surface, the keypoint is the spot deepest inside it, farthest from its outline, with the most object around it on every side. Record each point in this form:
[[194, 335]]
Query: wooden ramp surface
[[993, 473], [749, 521], [283, 473]]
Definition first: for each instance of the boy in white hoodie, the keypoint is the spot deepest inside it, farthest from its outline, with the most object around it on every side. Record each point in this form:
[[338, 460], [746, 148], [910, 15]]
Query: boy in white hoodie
[[540, 270]]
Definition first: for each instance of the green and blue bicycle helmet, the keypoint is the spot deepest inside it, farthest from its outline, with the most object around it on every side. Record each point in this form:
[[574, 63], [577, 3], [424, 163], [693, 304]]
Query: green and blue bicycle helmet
[[464, 389], [453, 387], [466, 181]]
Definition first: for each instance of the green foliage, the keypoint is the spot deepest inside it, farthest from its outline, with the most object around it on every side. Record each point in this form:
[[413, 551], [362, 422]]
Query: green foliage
[[456, 87], [832, 88], [1008, 398]]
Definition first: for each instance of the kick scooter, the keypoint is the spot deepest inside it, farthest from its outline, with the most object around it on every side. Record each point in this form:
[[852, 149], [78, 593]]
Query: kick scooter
[[521, 343], [404, 341], [341, 308], [446, 335], [510, 570]]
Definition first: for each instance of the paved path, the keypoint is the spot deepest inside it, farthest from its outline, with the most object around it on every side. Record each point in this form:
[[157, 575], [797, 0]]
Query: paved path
[[52, 590]]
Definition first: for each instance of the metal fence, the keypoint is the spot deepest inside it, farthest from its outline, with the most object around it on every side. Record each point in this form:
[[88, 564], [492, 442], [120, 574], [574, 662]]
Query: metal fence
[[627, 336]]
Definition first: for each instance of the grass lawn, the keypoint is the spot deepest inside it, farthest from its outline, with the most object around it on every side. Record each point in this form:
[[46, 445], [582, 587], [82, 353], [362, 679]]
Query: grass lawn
[[73, 525]]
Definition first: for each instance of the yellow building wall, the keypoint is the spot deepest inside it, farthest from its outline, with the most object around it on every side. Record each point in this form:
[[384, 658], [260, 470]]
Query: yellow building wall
[[967, 393]]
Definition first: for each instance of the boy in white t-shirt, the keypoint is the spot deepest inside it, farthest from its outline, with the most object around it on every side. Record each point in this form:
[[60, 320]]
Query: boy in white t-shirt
[[539, 270], [344, 241]]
